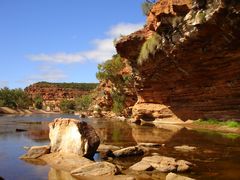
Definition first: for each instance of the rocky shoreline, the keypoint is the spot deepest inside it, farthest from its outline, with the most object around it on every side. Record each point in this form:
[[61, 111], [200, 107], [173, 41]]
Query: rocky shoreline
[[73, 144], [7, 110]]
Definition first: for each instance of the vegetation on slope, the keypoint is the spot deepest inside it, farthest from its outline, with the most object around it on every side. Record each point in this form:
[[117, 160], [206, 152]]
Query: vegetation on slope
[[14, 98], [111, 71], [147, 6], [79, 86], [149, 48], [229, 123]]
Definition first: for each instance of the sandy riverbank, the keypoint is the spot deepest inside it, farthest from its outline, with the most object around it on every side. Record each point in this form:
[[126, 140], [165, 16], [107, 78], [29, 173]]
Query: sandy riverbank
[[7, 110]]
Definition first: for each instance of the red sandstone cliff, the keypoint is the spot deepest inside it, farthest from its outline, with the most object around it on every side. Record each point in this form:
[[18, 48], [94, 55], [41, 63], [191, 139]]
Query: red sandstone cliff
[[53, 93], [194, 71]]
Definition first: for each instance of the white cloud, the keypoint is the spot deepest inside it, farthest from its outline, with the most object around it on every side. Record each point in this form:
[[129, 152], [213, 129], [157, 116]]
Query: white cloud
[[62, 58], [103, 48], [46, 73], [124, 29]]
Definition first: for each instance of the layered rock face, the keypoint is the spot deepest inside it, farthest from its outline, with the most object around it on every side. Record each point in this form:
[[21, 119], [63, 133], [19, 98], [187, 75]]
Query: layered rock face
[[53, 93], [73, 136], [193, 71]]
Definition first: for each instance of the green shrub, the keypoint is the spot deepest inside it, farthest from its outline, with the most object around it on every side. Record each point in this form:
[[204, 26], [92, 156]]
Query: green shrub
[[110, 69], [149, 47], [84, 102], [67, 106], [147, 6], [118, 102], [229, 123], [38, 102], [233, 124], [80, 86], [14, 98]]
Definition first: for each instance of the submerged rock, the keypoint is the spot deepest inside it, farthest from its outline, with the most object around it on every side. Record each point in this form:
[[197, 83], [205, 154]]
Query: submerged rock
[[185, 148], [35, 152], [162, 164], [73, 136], [96, 169], [65, 161], [173, 176]]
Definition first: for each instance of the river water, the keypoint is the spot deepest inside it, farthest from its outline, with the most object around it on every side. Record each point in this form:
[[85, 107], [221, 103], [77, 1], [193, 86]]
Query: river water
[[217, 155]]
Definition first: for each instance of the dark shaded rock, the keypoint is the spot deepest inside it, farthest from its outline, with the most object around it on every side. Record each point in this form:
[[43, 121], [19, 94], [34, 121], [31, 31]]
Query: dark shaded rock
[[21, 130]]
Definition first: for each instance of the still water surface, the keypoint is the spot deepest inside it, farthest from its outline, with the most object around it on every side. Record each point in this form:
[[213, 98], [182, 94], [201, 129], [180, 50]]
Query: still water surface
[[217, 155]]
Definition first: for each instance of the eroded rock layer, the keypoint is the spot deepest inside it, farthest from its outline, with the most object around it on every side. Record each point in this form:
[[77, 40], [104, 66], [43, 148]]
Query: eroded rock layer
[[194, 70], [53, 93]]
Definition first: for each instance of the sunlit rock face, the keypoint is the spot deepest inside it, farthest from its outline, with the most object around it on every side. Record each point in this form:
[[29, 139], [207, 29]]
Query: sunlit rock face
[[53, 94], [73, 136], [194, 70]]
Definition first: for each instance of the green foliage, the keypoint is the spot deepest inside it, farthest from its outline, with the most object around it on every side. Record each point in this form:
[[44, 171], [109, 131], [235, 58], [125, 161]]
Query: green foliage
[[84, 102], [147, 6], [201, 16], [149, 47], [38, 102], [79, 86], [232, 136], [232, 124], [67, 106], [110, 69], [14, 98], [118, 102], [229, 123]]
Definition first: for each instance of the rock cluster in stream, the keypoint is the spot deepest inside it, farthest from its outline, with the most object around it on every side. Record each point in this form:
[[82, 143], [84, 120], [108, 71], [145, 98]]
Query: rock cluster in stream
[[72, 141]]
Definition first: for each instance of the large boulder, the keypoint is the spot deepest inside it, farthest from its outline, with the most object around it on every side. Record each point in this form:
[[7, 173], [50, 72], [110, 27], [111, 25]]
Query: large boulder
[[73, 136]]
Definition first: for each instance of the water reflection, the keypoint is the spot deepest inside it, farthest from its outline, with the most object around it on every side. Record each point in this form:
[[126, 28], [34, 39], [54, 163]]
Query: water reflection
[[217, 155]]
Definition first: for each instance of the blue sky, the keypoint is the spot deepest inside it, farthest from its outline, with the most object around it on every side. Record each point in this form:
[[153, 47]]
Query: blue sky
[[61, 40]]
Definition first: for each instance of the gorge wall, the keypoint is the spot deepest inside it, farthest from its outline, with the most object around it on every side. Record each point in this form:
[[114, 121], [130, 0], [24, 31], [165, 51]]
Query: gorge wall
[[191, 65], [53, 93]]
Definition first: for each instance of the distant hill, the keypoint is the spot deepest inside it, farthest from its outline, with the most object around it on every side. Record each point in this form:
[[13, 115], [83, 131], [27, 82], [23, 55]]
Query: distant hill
[[79, 86], [53, 93]]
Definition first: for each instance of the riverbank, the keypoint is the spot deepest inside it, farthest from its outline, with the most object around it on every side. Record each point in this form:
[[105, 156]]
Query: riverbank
[[7, 110], [197, 125]]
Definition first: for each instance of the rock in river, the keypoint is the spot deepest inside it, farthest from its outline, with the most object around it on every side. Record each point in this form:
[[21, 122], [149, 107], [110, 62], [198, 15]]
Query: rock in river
[[36, 151], [129, 151], [96, 169], [73, 136], [162, 164], [173, 176]]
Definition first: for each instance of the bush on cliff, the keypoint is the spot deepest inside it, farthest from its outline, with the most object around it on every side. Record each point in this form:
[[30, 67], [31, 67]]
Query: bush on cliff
[[110, 69], [118, 102], [14, 98], [147, 6], [67, 106], [149, 47]]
